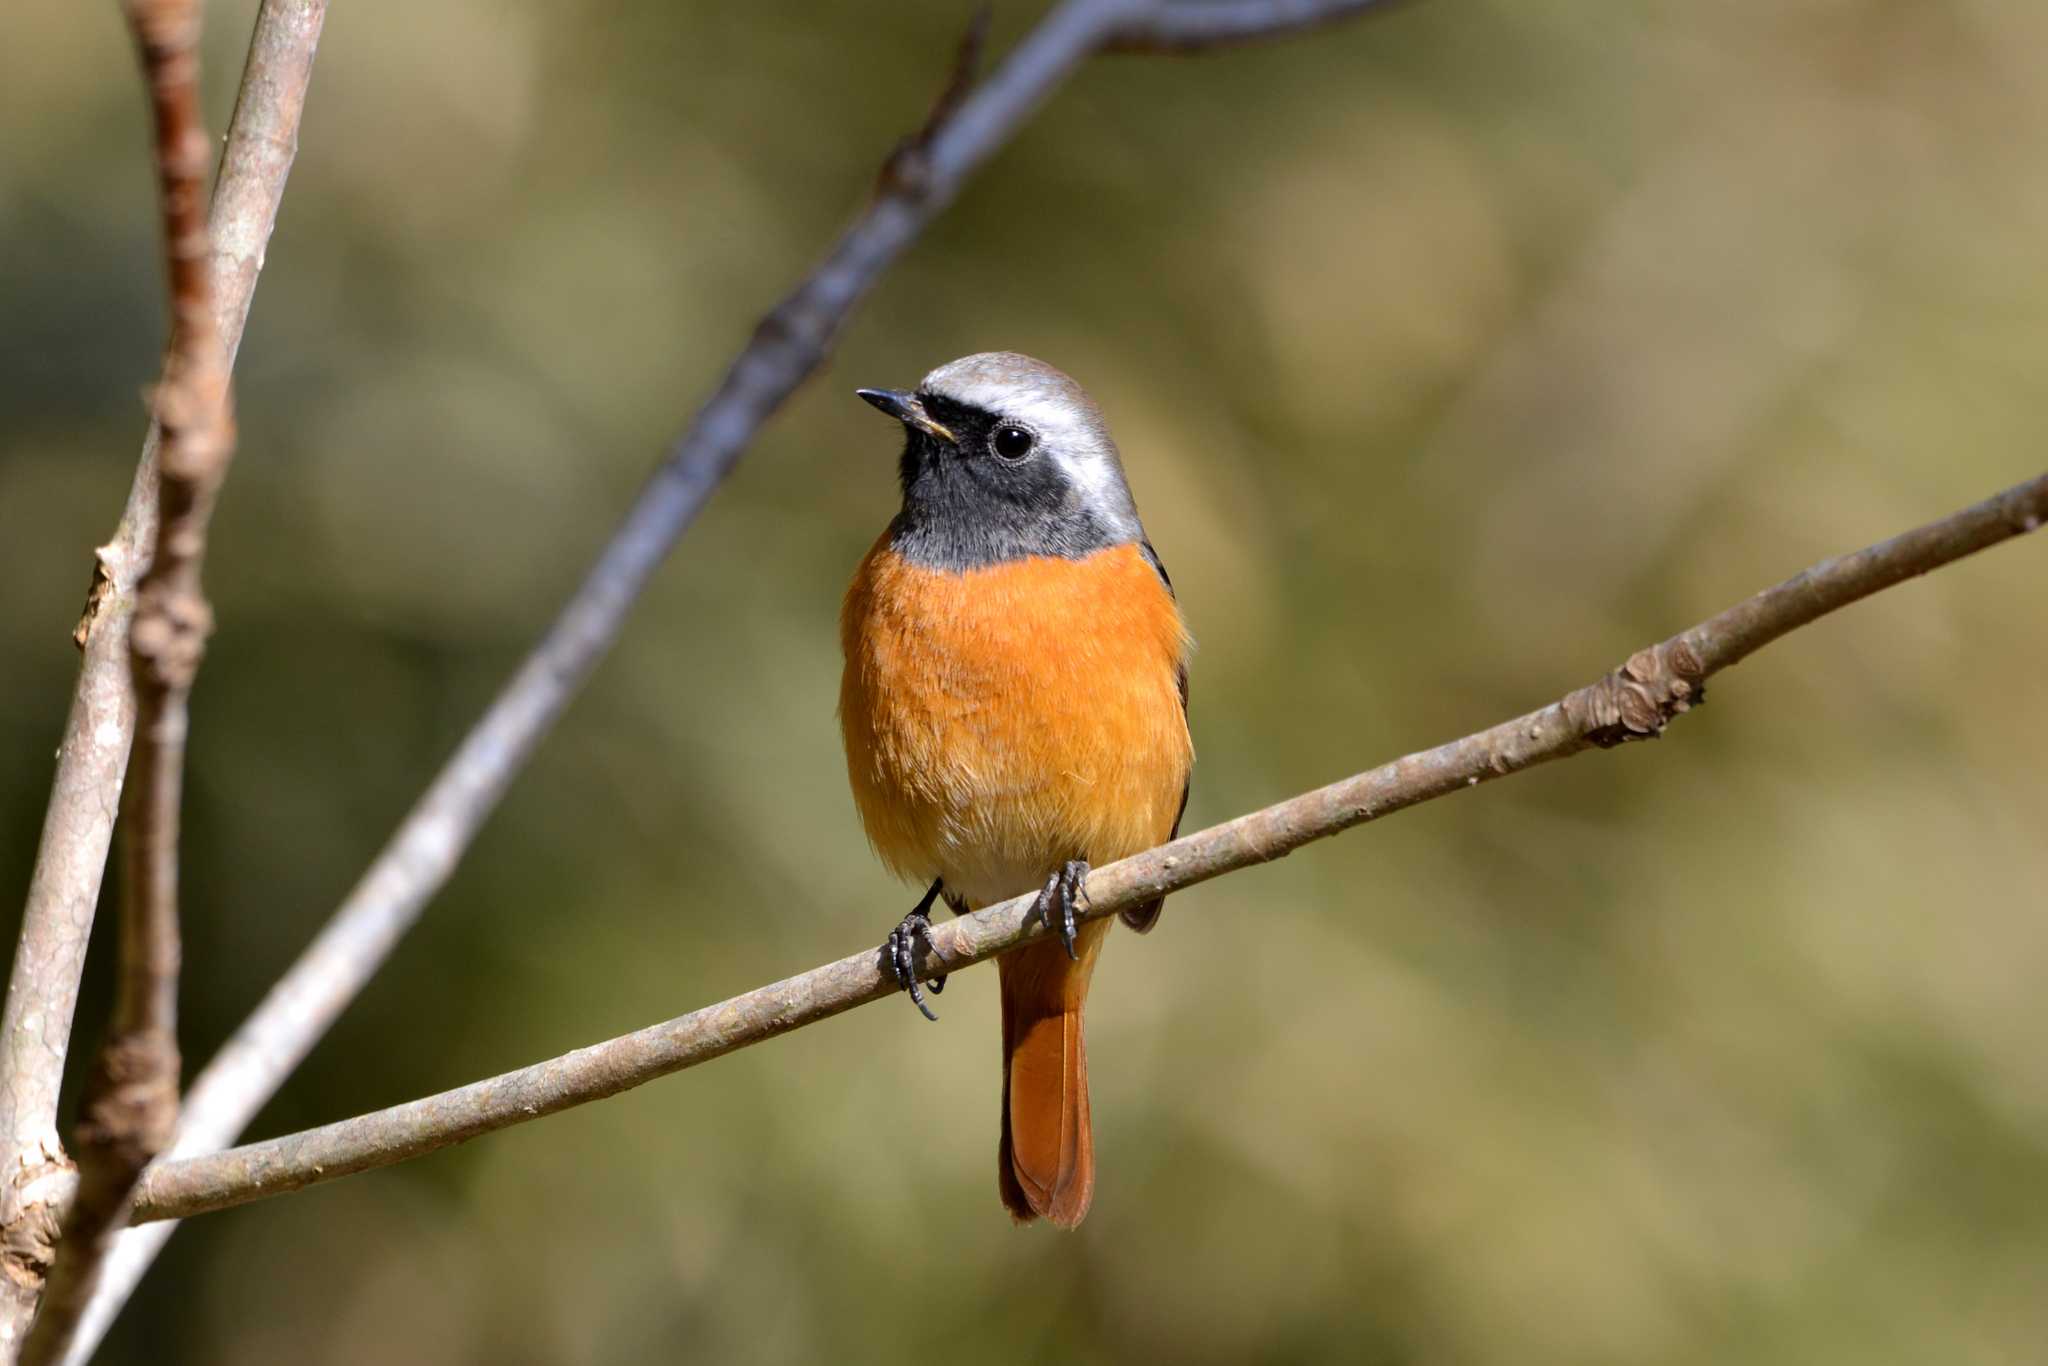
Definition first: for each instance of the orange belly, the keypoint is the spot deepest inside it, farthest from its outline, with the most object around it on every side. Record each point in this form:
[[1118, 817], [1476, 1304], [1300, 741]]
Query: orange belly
[[1001, 721]]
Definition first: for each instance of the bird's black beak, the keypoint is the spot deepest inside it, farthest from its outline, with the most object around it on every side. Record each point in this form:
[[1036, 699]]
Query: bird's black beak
[[908, 409]]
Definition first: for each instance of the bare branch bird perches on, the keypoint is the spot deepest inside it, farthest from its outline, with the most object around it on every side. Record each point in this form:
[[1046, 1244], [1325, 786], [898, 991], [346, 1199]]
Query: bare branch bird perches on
[[1634, 702]]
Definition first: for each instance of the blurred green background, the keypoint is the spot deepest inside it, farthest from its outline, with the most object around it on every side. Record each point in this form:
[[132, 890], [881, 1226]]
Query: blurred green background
[[1454, 355]]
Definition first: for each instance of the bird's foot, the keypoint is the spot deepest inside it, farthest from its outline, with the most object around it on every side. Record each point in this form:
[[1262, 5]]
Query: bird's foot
[[1057, 899], [899, 952]]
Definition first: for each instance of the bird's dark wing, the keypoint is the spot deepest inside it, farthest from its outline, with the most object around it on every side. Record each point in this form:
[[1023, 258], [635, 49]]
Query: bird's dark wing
[[1143, 918]]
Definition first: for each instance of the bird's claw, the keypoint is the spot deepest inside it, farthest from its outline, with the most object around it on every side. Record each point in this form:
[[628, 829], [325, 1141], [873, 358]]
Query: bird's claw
[[1057, 899], [899, 953]]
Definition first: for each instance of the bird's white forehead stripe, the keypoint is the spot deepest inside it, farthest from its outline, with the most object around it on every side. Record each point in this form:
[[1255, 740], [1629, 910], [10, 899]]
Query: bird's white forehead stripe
[[1064, 428], [1036, 405], [1036, 396], [1047, 414], [1042, 399]]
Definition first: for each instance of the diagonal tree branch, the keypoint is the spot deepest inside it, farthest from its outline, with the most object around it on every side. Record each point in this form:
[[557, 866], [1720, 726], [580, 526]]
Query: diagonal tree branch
[[1634, 702], [42, 994], [130, 1106]]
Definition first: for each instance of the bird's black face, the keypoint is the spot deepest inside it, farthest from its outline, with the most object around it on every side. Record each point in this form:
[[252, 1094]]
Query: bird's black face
[[981, 487]]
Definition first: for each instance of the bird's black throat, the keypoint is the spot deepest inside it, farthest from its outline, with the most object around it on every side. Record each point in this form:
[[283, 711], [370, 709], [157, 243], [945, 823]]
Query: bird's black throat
[[965, 507]]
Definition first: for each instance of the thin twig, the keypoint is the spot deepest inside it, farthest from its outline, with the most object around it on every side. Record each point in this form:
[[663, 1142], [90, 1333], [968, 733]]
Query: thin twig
[[786, 348], [1634, 702], [42, 994], [907, 161], [130, 1105], [1203, 25]]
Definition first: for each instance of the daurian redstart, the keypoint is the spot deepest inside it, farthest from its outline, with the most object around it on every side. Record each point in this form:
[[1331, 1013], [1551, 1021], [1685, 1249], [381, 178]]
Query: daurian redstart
[[1015, 709]]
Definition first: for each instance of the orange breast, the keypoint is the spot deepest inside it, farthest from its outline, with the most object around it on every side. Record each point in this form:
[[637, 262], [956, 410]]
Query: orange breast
[[1001, 721]]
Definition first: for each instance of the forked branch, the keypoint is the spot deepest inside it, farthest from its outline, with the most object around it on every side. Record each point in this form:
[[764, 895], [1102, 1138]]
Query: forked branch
[[42, 992], [130, 1106]]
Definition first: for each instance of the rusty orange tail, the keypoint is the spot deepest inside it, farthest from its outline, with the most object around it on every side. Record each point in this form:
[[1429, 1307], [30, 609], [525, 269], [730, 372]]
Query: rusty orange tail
[[1046, 1165]]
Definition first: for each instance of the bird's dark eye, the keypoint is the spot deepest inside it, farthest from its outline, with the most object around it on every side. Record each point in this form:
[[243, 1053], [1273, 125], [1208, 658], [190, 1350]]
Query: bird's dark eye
[[1011, 443]]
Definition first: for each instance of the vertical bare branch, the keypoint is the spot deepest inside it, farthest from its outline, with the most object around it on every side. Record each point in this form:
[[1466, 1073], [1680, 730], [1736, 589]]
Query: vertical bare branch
[[42, 994], [130, 1107], [56, 923]]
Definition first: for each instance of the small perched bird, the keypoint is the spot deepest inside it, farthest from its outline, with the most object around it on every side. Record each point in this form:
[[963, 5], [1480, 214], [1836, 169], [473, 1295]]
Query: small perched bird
[[1015, 708]]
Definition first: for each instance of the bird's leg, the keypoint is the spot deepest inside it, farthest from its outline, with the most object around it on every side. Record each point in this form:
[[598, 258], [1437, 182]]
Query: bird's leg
[[1056, 901], [899, 950]]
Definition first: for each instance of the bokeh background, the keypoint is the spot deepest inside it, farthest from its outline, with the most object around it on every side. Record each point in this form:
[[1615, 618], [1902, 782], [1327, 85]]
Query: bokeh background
[[1454, 354]]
